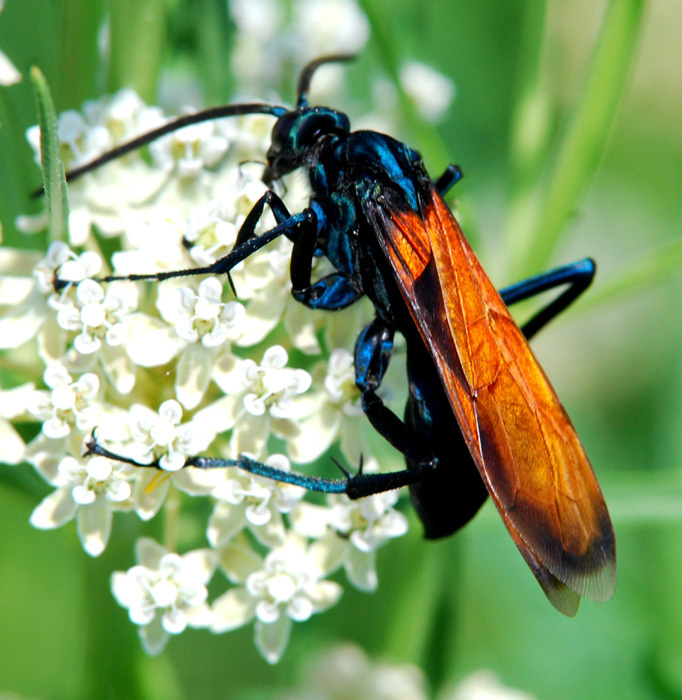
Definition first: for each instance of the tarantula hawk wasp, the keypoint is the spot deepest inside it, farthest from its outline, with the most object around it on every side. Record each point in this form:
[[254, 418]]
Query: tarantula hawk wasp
[[481, 417]]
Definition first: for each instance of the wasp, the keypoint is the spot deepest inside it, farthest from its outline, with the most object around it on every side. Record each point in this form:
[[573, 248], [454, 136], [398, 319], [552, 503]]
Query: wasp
[[482, 419]]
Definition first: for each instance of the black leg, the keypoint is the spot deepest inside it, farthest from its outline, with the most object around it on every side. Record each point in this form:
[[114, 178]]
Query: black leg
[[451, 176], [331, 293], [578, 276], [248, 228], [247, 242], [357, 486], [373, 351]]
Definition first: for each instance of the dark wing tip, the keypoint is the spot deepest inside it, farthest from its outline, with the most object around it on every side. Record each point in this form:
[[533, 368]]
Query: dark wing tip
[[564, 599], [565, 576], [560, 595], [597, 580]]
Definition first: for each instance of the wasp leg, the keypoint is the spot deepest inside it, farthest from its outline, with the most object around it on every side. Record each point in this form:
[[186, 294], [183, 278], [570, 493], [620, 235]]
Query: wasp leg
[[330, 293], [450, 177], [356, 486], [278, 209], [578, 276], [247, 242], [373, 351]]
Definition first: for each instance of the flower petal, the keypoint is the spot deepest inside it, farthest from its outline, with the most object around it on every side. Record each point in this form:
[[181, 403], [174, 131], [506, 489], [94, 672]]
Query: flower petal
[[272, 639], [202, 564], [148, 498], [94, 526], [45, 455], [232, 610], [225, 522], [22, 322], [154, 637], [329, 553], [310, 519], [150, 342], [149, 552], [14, 402], [262, 315], [13, 446], [54, 510], [317, 432], [323, 594], [221, 415], [119, 368], [193, 374], [239, 561], [298, 322], [361, 570]]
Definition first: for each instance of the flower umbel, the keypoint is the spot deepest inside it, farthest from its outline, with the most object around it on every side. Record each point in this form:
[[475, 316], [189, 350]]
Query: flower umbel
[[160, 436]]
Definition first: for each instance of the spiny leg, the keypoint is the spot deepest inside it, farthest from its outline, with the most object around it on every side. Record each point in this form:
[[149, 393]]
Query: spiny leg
[[373, 352]]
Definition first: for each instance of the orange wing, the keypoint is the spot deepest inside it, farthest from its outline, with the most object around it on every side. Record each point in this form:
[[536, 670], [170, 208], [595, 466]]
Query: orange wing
[[519, 435]]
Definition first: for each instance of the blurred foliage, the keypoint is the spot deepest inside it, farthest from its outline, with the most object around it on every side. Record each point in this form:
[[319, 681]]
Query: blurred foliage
[[536, 83]]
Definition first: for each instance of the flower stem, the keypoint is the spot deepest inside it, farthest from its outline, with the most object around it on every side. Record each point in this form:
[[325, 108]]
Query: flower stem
[[137, 42], [584, 140]]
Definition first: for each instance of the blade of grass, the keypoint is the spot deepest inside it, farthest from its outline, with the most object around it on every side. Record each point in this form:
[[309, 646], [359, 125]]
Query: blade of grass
[[530, 124], [52, 166], [635, 498], [426, 597], [79, 62], [530, 133]]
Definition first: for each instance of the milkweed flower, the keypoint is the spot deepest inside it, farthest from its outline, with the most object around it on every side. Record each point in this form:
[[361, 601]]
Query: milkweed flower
[[352, 531], [14, 405], [285, 587], [89, 490], [252, 501], [164, 592]]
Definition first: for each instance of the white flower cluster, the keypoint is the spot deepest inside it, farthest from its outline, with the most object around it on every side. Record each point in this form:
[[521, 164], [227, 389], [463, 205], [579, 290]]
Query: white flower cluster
[[346, 672], [162, 372]]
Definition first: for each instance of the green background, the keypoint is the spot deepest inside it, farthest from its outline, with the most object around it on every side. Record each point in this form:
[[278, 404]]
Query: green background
[[566, 123]]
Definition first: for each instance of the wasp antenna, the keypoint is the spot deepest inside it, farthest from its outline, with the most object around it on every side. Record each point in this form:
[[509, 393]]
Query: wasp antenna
[[309, 70], [168, 128]]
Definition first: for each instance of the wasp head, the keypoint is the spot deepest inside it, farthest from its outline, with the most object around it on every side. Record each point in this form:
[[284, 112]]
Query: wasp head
[[297, 136]]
